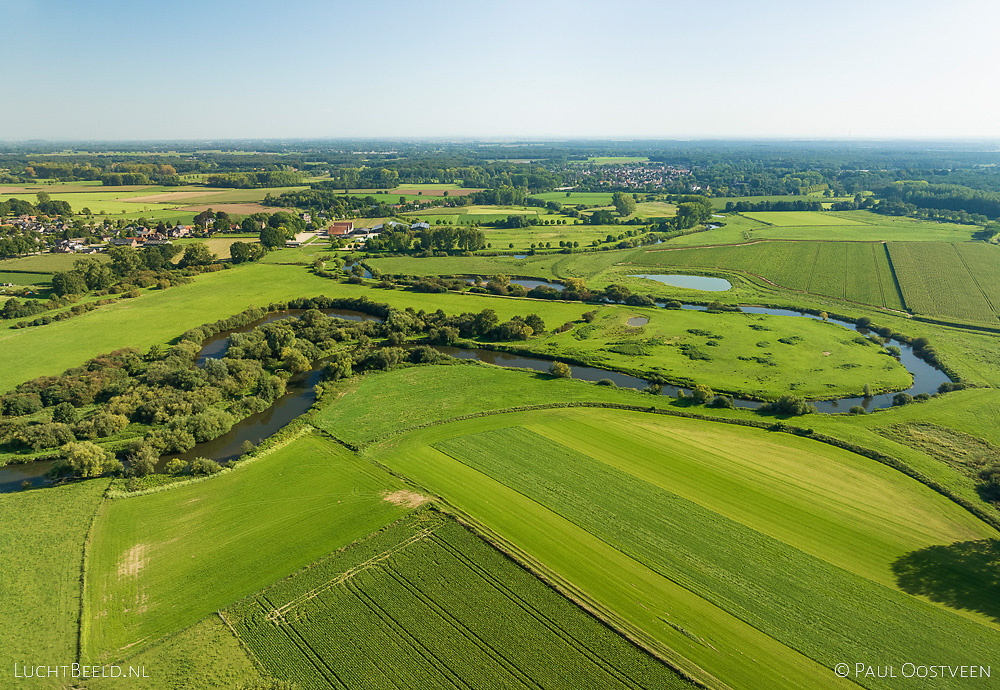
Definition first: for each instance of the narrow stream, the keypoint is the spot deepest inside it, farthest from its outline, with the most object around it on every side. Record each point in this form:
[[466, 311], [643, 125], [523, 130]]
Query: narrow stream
[[300, 395]]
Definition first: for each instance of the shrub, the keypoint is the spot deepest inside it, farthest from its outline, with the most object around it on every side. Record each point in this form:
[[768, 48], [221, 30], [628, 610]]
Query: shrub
[[143, 461], [607, 382], [560, 370], [202, 467], [176, 466], [722, 402], [590, 316], [901, 399], [87, 459], [701, 394], [788, 405], [65, 413], [857, 409]]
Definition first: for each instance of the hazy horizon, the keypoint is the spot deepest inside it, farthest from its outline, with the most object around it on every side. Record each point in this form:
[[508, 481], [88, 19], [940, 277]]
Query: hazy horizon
[[443, 70]]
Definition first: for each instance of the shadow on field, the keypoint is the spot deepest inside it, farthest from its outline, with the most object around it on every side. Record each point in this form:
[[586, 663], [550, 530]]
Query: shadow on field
[[963, 575]]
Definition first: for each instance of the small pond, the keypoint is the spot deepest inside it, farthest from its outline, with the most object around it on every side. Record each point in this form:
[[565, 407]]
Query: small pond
[[705, 283], [637, 321]]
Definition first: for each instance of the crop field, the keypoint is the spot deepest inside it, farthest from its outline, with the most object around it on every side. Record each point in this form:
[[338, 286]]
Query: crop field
[[748, 490], [858, 272], [946, 280], [427, 604], [42, 543], [225, 539], [798, 218]]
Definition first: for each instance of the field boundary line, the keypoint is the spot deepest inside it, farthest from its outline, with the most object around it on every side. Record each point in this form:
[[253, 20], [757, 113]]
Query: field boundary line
[[83, 575], [257, 663], [877, 456], [895, 277]]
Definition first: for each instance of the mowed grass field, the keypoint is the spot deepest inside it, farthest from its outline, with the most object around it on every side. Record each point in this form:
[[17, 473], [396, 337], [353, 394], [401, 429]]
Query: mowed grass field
[[949, 280], [635, 505], [41, 543], [854, 271], [798, 218], [426, 603], [163, 561]]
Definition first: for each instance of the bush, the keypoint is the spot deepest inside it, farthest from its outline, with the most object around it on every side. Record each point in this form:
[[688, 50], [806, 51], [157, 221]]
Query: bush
[[65, 413], [788, 405], [142, 462], [722, 402], [901, 399], [857, 409], [560, 370], [590, 316], [176, 466], [87, 459], [701, 394], [202, 467], [607, 382]]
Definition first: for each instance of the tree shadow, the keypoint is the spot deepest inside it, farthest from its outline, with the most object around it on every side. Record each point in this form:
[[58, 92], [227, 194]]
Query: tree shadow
[[963, 575]]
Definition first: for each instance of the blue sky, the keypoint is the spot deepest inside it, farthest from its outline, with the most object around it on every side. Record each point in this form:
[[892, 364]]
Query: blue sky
[[714, 68]]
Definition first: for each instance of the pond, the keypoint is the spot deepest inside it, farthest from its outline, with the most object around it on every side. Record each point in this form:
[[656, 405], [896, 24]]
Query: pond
[[705, 283], [636, 321], [526, 283]]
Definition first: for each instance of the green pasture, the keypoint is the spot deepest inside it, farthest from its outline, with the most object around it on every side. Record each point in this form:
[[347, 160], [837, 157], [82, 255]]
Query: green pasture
[[42, 542], [25, 278], [45, 263], [747, 354], [572, 198], [388, 612], [223, 539], [207, 653], [721, 201]]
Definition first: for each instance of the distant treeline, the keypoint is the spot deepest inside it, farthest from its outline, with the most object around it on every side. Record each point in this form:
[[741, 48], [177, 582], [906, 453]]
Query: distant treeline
[[796, 205], [255, 180], [948, 197]]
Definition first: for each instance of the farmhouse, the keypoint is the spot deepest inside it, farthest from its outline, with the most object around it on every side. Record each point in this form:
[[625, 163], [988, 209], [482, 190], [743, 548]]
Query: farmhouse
[[420, 226], [124, 242], [340, 228]]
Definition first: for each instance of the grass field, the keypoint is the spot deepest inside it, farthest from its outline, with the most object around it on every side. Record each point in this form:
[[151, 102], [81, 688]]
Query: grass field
[[45, 263], [427, 604], [224, 539], [207, 654], [731, 475], [42, 546], [947, 280], [572, 198], [25, 278], [747, 354]]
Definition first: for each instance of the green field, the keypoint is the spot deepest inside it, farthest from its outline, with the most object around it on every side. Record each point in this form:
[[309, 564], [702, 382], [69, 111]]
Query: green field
[[721, 480], [853, 271], [798, 218], [207, 653], [957, 281], [746, 354], [42, 546], [45, 263], [427, 604], [224, 539], [573, 198]]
